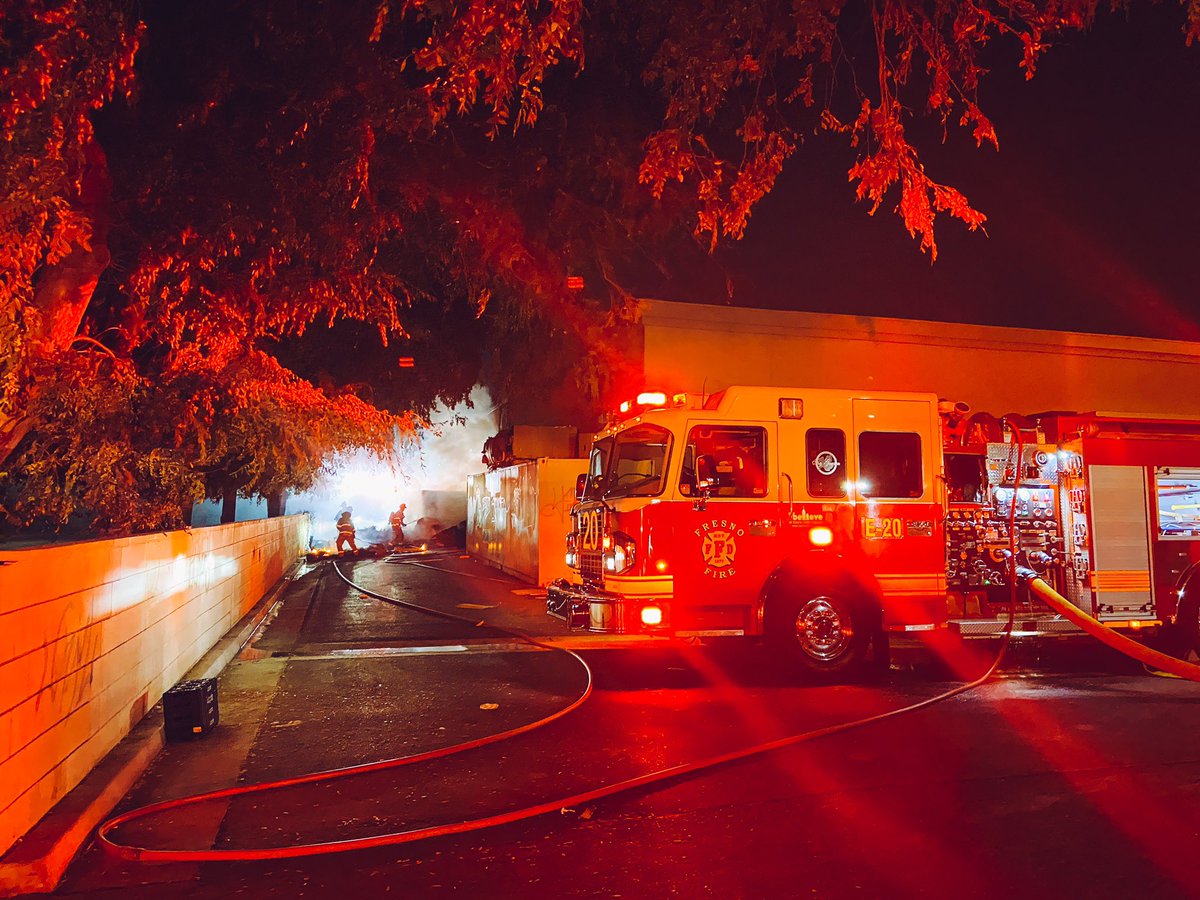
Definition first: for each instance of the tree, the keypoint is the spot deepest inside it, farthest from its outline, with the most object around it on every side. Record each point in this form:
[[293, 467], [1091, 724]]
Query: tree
[[744, 81], [232, 265], [59, 63]]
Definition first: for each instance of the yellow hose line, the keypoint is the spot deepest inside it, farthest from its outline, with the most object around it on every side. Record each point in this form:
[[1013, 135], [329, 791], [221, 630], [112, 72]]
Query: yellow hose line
[[1117, 641]]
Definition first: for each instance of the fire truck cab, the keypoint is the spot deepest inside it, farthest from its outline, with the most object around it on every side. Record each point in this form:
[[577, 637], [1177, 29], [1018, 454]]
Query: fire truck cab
[[824, 520]]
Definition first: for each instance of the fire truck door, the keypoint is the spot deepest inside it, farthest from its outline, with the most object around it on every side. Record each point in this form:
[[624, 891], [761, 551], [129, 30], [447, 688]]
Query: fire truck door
[[1120, 541], [897, 511], [725, 550]]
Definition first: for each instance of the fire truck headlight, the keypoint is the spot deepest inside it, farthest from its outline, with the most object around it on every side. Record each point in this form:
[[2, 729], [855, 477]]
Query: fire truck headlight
[[820, 536], [571, 559], [652, 615]]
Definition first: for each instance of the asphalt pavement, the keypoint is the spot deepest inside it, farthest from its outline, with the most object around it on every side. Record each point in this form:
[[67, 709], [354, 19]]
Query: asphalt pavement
[[1074, 774]]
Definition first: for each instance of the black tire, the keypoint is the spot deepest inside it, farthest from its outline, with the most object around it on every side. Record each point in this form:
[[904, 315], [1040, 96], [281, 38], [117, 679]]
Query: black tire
[[825, 631]]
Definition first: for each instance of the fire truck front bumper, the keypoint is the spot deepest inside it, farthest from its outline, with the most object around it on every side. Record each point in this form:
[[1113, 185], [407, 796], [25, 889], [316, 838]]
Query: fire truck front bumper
[[594, 609]]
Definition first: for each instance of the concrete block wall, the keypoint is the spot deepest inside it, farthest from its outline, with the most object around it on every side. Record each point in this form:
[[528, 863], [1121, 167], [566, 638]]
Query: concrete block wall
[[92, 634]]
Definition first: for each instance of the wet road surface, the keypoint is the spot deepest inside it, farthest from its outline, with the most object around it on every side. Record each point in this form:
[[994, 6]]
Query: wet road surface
[[1075, 774]]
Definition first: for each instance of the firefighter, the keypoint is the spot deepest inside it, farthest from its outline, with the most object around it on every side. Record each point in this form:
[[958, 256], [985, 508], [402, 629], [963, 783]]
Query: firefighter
[[345, 529], [397, 522]]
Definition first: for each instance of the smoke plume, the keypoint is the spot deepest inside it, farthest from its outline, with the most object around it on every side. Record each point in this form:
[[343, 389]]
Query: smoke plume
[[431, 472]]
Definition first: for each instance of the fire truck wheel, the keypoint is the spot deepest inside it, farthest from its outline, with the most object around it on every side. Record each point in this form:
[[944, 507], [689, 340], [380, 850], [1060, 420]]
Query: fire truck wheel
[[825, 632]]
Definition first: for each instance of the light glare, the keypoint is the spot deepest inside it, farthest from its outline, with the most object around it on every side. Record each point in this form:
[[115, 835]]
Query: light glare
[[651, 615], [820, 536]]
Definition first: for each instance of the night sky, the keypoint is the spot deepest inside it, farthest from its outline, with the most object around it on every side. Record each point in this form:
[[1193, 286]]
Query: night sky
[[1091, 201]]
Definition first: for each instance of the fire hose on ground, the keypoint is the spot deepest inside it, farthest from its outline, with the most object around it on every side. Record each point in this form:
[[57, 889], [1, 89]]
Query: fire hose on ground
[[564, 804], [1100, 632]]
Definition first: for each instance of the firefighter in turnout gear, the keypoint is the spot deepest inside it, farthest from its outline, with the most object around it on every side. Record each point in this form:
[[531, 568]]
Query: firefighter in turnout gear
[[345, 529], [396, 520]]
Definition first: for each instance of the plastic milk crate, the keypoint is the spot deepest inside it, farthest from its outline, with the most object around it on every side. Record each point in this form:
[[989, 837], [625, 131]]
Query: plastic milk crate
[[190, 709]]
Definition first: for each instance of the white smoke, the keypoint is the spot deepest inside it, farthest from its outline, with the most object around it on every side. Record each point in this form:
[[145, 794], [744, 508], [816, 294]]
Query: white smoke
[[440, 459]]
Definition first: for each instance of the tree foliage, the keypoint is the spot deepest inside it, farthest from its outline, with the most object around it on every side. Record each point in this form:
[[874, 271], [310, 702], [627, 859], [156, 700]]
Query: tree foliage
[[59, 63], [745, 81], [225, 226]]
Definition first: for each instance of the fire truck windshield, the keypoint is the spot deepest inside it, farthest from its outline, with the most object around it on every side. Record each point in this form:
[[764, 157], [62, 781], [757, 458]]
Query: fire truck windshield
[[634, 461]]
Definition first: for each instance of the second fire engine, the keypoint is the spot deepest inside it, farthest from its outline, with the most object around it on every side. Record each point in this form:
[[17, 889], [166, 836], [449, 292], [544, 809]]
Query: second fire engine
[[824, 521]]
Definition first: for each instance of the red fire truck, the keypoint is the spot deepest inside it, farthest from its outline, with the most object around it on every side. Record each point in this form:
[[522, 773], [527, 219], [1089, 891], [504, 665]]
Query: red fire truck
[[824, 521]]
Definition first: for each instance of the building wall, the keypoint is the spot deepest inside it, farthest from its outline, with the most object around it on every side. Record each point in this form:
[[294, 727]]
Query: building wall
[[91, 634], [518, 517], [998, 370]]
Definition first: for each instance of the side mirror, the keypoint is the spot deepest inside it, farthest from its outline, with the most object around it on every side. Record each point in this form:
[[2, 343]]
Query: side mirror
[[581, 486], [705, 479]]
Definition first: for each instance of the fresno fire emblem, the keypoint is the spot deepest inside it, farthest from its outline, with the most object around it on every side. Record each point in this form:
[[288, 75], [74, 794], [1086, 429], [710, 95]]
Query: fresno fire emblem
[[718, 547]]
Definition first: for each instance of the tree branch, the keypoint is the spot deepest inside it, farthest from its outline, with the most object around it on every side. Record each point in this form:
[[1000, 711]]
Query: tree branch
[[95, 343]]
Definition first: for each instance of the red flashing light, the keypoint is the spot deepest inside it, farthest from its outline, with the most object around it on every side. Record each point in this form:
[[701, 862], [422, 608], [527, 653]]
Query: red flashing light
[[647, 400], [652, 398], [406, 362]]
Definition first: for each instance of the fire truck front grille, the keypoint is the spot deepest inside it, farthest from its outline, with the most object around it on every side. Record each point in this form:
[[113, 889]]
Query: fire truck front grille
[[591, 567]]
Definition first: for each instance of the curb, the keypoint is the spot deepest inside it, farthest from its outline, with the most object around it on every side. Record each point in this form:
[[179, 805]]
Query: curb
[[37, 862], [213, 663]]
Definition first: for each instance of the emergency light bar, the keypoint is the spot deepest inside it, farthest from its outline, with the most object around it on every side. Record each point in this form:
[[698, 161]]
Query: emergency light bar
[[650, 400]]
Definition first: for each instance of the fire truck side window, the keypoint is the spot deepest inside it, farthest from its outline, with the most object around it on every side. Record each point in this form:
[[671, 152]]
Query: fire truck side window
[[597, 465], [826, 449], [1178, 503], [889, 464], [739, 454]]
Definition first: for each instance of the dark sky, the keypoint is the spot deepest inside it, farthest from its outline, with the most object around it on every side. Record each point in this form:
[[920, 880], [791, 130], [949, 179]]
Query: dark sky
[[1092, 202]]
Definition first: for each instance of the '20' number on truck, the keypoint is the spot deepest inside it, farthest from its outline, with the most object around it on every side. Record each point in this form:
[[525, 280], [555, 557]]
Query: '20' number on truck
[[589, 526], [889, 528]]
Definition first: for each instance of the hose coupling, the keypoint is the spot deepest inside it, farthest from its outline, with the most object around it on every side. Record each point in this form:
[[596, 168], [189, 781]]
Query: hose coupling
[[1026, 574]]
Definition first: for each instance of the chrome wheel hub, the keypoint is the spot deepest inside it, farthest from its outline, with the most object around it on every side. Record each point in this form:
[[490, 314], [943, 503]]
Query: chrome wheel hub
[[823, 629]]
